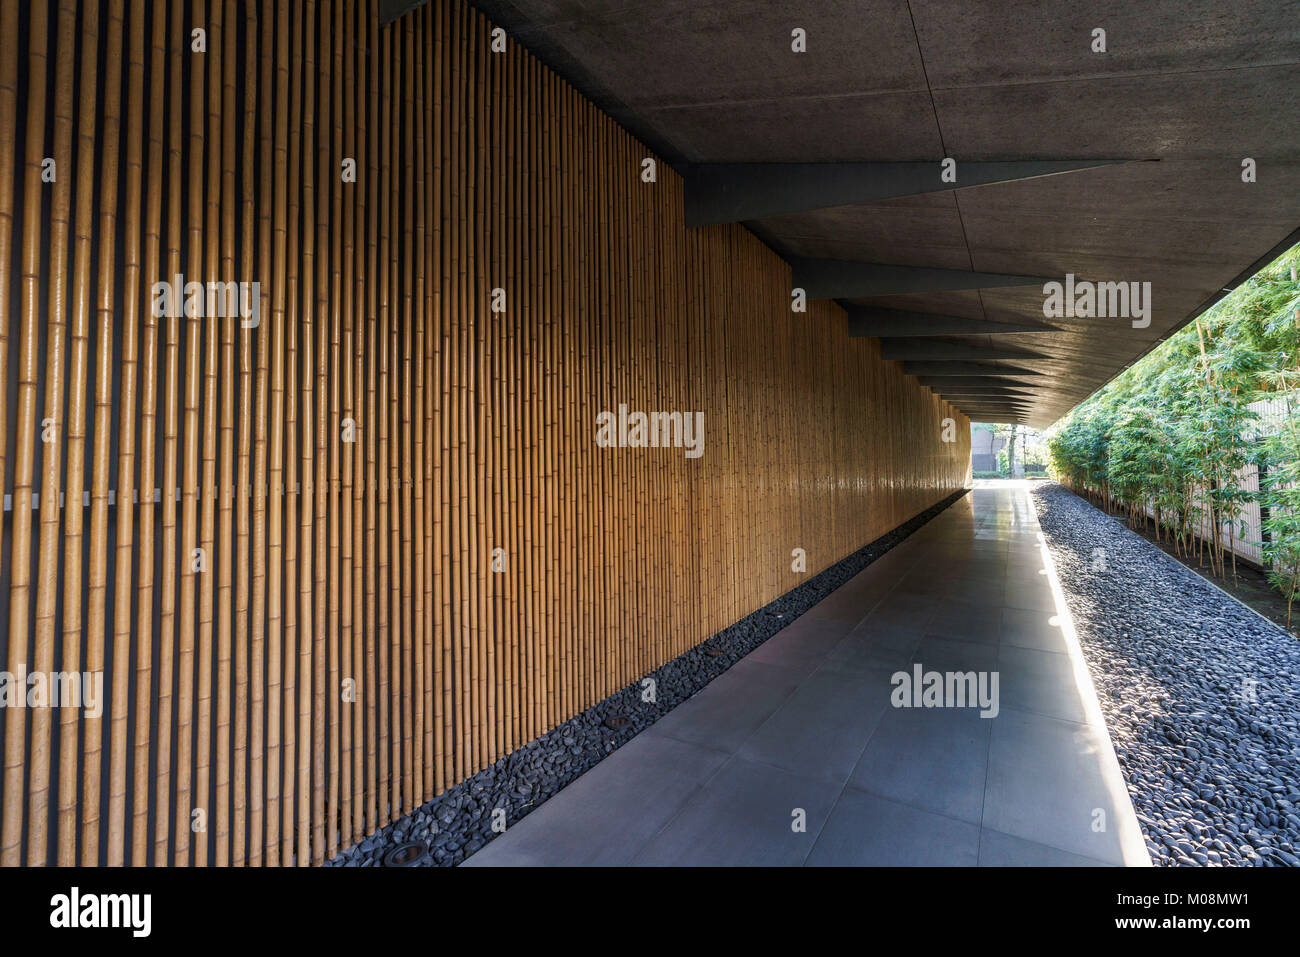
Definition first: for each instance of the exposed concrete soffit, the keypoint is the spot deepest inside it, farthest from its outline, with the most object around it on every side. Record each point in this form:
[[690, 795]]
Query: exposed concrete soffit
[[986, 396], [870, 322], [988, 388], [964, 369], [1292, 238], [941, 381], [992, 402], [845, 279], [738, 192], [940, 349]]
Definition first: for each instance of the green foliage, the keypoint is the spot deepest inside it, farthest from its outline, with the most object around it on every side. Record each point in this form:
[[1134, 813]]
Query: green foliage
[[1280, 502], [1173, 431]]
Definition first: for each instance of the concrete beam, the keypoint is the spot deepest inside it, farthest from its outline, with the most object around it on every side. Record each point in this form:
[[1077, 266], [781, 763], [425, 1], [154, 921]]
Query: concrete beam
[[927, 368], [921, 348], [994, 388], [738, 192], [940, 382], [869, 322], [845, 279], [988, 387], [991, 399]]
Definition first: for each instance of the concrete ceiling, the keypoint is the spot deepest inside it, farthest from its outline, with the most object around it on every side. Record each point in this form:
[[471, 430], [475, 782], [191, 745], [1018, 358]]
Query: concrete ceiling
[[1196, 84]]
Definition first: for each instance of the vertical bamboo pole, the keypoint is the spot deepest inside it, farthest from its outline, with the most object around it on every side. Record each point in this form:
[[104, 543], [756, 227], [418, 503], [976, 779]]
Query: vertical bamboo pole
[[507, 416], [431, 622], [483, 322], [387, 772], [444, 50], [78, 362], [244, 562], [296, 281], [383, 272], [417, 317], [474, 301], [545, 619], [349, 541], [607, 401], [226, 606], [579, 413], [261, 638], [402, 409], [361, 636], [376, 745], [557, 321], [525, 548], [8, 153], [169, 491], [207, 489], [456, 261], [625, 468], [191, 397], [486, 326], [140, 495], [548, 680], [324, 618], [392, 419], [53, 425], [26, 428], [502, 474], [332, 692], [130, 363], [298, 817], [584, 424], [276, 518], [603, 387], [96, 624], [518, 568]]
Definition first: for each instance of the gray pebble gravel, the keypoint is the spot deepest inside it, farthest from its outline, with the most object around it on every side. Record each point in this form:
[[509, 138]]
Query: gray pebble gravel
[[1200, 694]]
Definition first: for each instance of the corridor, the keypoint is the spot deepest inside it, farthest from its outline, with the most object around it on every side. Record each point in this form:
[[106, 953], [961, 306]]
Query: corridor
[[796, 756]]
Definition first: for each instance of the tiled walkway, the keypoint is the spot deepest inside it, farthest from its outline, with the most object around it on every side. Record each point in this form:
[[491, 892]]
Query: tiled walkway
[[803, 730]]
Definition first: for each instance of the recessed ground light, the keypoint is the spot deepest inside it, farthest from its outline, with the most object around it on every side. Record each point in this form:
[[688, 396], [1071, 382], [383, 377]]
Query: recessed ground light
[[616, 721], [714, 652], [407, 855]]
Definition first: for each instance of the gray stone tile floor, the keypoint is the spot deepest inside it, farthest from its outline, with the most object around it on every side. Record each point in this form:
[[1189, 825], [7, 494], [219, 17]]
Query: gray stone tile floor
[[796, 754]]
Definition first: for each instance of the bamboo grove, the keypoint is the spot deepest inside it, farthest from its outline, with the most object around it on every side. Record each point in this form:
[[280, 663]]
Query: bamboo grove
[[1168, 441], [337, 554]]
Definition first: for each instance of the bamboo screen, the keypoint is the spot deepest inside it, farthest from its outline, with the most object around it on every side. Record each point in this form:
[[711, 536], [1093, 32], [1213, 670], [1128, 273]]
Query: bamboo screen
[[336, 551]]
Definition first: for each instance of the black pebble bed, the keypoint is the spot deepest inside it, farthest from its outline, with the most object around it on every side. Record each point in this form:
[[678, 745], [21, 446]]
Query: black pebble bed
[[1200, 694], [459, 821]]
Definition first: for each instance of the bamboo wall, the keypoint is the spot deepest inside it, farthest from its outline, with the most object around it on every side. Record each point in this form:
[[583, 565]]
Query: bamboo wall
[[306, 628]]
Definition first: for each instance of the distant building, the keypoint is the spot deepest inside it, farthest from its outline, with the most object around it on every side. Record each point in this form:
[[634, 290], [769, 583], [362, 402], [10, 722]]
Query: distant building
[[984, 449]]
